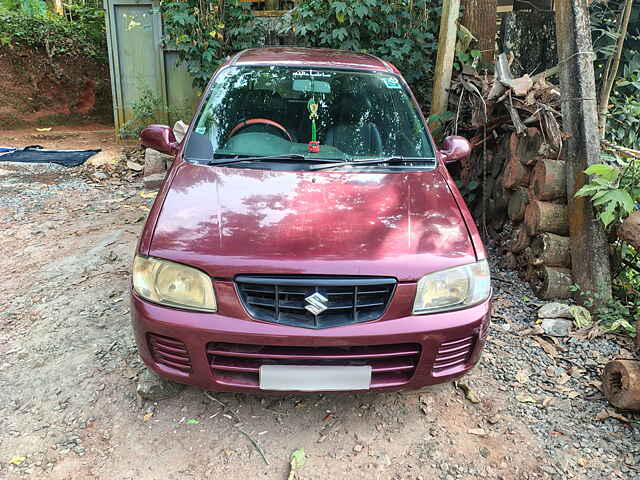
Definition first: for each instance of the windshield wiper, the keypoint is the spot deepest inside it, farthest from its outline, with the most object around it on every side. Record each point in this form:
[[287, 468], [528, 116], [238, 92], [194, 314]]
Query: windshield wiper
[[374, 161], [292, 156]]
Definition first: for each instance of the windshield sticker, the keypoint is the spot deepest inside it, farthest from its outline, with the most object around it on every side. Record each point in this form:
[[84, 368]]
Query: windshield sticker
[[391, 82], [312, 73]]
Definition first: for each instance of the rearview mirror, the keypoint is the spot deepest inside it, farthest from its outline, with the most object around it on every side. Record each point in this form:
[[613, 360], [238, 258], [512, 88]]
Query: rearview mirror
[[455, 148], [160, 138]]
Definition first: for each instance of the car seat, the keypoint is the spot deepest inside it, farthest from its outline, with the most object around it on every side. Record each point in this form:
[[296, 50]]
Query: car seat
[[355, 134]]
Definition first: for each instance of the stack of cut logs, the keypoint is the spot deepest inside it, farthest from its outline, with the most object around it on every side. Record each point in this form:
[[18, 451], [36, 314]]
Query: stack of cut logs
[[529, 194], [517, 171]]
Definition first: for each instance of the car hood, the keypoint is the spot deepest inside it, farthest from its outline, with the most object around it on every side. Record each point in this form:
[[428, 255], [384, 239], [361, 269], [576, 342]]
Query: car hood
[[229, 221]]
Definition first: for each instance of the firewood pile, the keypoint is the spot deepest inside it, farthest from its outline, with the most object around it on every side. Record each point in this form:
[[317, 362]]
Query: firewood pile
[[518, 168]]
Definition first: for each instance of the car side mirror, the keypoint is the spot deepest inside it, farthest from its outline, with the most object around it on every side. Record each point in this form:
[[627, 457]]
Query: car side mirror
[[160, 138], [455, 148]]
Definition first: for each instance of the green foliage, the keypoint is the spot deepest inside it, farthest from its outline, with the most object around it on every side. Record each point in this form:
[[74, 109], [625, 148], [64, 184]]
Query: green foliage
[[581, 316], [52, 33], [624, 109], [400, 31], [468, 58], [614, 188], [438, 122], [91, 17], [403, 32], [623, 126], [145, 111], [205, 33], [26, 7], [298, 459], [469, 190], [615, 316]]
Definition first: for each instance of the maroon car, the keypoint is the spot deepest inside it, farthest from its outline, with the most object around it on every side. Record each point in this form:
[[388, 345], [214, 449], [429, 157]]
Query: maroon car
[[308, 236]]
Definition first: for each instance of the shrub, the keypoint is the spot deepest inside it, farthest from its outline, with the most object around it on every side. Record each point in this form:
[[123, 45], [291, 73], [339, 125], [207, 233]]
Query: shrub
[[205, 33], [400, 31], [623, 122], [54, 34]]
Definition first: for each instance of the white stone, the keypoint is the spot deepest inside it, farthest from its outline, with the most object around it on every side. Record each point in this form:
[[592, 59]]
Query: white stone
[[155, 162], [151, 387], [557, 327], [154, 182], [555, 310]]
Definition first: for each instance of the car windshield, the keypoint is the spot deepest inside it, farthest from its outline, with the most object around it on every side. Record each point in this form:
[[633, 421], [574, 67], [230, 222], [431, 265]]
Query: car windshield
[[277, 110]]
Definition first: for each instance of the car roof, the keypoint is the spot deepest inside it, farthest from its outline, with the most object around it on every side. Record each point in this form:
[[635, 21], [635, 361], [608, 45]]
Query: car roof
[[313, 57]]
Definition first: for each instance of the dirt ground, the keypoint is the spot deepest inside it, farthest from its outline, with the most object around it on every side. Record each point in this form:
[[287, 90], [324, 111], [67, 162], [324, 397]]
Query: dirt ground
[[69, 369], [38, 90]]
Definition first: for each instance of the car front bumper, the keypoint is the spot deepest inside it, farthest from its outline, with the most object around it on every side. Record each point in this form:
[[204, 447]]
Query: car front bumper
[[223, 351]]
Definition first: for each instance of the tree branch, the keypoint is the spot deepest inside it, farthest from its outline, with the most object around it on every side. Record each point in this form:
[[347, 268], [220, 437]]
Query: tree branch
[[612, 72]]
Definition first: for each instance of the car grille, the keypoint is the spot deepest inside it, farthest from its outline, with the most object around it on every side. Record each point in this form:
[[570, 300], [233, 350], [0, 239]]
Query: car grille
[[453, 355], [283, 299], [239, 365], [169, 352]]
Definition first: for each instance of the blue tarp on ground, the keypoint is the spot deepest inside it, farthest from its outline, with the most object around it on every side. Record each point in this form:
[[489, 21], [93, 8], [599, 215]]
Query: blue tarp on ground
[[37, 154]]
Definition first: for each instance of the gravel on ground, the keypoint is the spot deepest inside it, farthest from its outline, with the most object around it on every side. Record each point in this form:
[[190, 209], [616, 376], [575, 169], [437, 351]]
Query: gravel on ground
[[532, 409]]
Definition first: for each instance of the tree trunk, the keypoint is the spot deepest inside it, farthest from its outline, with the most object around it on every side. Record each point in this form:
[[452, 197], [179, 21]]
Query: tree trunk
[[444, 59], [515, 174], [621, 384], [589, 252], [552, 282], [519, 239], [518, 204], [480, 18], [551, 250], [549, 180], [546, 217], [530, 36], [524, 148]]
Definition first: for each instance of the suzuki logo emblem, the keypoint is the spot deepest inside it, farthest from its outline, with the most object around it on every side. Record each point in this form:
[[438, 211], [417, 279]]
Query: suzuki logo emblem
[[317, 303]]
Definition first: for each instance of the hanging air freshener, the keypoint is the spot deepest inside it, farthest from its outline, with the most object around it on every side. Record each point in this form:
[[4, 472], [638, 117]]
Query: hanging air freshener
[[314, 144]]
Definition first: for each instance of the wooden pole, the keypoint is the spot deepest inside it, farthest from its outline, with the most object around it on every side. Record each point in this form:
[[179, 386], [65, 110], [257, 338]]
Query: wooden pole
[[480, 17], [446, 53], [589, 249]]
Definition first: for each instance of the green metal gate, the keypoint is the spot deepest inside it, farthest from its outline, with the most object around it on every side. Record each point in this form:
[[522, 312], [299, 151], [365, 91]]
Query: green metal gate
[[140, 64]]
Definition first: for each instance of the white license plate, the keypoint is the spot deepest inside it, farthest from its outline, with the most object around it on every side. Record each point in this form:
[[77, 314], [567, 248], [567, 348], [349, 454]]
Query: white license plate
[[313, 378]]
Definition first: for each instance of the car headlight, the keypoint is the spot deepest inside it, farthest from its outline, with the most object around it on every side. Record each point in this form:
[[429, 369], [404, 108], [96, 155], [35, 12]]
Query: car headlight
[[173, 284], [454, 288]]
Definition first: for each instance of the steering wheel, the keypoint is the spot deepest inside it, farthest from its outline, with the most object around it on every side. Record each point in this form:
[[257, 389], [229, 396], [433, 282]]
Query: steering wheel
[[259, 121]]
